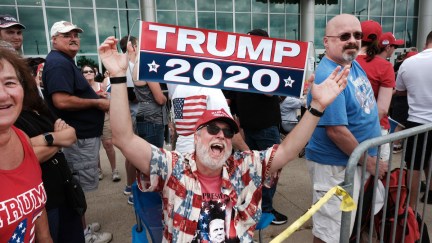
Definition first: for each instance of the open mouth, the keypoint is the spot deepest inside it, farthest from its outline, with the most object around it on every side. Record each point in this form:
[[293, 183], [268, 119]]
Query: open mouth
[[217, 148]]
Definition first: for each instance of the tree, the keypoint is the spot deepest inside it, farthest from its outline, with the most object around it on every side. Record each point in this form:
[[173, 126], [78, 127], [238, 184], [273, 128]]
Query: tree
[[83, 60]]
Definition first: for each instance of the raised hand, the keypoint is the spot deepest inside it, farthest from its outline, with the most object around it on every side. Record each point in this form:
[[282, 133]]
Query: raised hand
[[116, 63], [323, 94]]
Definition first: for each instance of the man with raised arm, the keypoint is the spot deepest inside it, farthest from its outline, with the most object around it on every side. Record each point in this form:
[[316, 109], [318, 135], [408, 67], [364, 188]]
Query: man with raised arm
[[197, 187]]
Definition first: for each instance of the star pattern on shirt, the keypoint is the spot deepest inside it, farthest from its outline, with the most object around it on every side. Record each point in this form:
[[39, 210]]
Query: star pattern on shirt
[[153, 67], [289, 81]]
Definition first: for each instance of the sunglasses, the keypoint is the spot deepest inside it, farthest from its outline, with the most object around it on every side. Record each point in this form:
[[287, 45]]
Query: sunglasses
[[346, 36], [213, 130], [90, 71]]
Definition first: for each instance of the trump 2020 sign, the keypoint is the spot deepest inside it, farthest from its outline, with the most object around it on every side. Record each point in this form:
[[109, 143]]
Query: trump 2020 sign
[[224, 60]]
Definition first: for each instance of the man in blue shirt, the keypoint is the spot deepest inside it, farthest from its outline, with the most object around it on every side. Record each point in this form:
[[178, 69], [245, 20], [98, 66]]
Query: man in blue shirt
[[71, 98], [348, 121]]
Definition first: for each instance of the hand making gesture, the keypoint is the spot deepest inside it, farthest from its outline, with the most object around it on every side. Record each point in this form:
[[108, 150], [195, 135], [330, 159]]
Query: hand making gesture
[[116, 63]]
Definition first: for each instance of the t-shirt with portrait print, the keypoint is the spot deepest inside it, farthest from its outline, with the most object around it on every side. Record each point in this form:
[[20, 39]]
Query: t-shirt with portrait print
[[215, 223]]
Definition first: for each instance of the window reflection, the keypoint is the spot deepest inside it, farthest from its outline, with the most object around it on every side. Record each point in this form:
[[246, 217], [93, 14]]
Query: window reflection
[[59, 3], [8, 2], [28, 2], [165, 5], [224, 22], [277, 26], [242, 5], [206, 5], [133, 16], [107, 19], [387, 24], [56, 14], [243, 22], [292, 27], [206, 20], [259, 21], [88, 38], [224, 5], [34, 42], [185, 19], [106, 3], [82, 3], [166, 17], [280, 19]]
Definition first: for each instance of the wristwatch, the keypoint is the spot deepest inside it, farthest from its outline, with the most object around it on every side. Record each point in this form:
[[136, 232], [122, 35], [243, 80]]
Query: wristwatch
[[315, 112], [49, 139]]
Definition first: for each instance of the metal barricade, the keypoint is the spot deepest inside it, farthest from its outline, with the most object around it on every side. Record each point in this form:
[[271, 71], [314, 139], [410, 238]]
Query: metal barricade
[[424, 210]]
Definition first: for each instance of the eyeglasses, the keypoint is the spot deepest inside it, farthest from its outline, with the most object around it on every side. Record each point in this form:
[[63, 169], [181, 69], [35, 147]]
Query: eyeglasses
[[89, 71], [213, 130], [69, 36], [346, 36]]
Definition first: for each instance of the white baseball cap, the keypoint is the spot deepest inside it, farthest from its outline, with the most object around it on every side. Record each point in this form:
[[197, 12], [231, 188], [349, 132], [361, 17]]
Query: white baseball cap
[[64, 27]]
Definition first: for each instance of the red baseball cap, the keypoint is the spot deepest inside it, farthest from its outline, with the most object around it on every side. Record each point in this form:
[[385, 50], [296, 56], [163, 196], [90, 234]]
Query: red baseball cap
[[371, 30], [410, 54], [389, 39], [214, 115]]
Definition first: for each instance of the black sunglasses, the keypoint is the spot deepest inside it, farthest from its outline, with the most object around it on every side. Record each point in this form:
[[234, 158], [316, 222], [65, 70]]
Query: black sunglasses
[[90, 71], [213, 130], [346, 36]]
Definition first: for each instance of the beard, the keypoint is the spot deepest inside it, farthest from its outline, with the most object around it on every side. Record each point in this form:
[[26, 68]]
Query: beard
[[350, 56], [205, 158]]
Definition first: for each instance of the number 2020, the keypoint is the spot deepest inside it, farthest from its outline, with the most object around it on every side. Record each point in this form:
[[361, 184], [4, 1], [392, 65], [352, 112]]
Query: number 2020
[[239, 73]]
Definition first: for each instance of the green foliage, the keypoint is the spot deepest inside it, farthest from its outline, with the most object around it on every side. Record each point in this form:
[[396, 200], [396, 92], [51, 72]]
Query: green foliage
[[83, 60]]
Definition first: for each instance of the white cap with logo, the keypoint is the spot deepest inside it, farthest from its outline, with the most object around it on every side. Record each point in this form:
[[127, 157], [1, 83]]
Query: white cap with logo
[[64, 27]]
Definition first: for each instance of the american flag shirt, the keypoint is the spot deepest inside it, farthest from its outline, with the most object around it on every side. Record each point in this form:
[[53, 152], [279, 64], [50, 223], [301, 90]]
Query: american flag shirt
[[175, 175]]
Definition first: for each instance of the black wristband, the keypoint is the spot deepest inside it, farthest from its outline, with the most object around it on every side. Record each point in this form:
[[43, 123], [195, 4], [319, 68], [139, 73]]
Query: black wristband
[[315, 112], [117, 80]]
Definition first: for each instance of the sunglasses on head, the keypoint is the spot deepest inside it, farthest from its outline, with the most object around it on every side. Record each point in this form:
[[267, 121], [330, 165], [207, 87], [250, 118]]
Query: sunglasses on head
[[346, 36], [89, 71], [212, 129]]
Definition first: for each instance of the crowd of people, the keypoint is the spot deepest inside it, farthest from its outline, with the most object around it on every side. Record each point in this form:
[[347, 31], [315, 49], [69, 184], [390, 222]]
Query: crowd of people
[[222, 172]]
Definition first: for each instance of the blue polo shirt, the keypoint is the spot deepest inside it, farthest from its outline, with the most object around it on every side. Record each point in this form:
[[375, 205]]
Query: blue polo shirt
[[354, 108], [60, 74]]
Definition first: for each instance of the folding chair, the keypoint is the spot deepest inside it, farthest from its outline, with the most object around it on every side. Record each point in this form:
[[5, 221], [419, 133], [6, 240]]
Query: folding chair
[[264, 222], [148, 211]]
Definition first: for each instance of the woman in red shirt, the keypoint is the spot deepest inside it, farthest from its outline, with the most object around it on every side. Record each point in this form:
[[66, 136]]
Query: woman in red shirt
[[22, 194]]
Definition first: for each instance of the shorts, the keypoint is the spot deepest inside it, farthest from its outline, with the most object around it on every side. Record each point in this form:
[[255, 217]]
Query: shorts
[[327, 220], [419, 148], [106, 132], [83, 159], [400, 109]]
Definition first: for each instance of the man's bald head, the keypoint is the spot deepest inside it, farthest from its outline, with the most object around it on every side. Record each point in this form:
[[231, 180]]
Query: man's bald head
[[339, 21]]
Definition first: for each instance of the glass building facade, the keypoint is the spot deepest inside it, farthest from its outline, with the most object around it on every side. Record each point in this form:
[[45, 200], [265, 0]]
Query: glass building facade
[[281, 18]]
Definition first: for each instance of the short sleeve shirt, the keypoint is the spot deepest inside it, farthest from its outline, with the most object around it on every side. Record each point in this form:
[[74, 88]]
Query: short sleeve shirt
[[380, 74], [354, 108], [176, 177], [60, 74]]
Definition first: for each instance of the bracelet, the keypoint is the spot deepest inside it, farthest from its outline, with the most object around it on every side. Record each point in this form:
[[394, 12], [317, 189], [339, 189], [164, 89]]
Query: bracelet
[[118, 80], [315, 112]]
